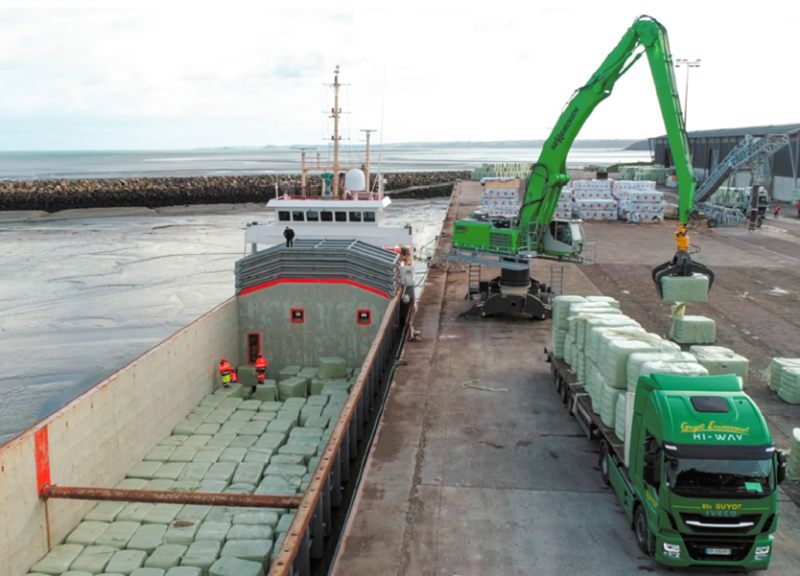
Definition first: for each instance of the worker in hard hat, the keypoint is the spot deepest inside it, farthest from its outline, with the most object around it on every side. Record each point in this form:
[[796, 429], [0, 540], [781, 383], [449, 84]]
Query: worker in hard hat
[[261, 368], [225, 371]]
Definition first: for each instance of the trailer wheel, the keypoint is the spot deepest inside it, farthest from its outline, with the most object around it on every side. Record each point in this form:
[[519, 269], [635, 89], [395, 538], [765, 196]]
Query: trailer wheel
[[712, 223], [604, 462], [564, 392], [760, 223], [640, 527]]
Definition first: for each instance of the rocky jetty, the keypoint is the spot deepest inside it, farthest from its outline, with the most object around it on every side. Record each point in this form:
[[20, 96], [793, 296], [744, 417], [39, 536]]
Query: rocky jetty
[[56, 195]]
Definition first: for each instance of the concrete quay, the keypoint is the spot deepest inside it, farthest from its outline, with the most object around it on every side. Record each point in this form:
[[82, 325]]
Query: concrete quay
[[477, 468]]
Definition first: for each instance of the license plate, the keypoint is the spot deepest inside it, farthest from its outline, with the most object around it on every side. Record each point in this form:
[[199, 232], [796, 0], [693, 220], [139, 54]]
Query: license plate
[[718, 551]]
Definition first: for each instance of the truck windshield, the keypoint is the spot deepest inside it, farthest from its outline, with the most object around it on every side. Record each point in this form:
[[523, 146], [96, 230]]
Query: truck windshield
[[689, 477]]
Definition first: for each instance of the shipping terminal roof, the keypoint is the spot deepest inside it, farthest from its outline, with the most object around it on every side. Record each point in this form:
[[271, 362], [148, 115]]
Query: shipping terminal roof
[[739, 132]]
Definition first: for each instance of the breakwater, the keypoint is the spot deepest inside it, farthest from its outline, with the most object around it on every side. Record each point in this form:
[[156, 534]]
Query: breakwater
[[56, 195]]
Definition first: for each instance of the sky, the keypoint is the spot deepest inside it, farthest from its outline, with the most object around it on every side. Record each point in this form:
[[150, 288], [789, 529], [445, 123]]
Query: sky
[[182, 75]]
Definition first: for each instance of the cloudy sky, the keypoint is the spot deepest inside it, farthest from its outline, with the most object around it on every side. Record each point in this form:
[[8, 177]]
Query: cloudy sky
[[180, 75]]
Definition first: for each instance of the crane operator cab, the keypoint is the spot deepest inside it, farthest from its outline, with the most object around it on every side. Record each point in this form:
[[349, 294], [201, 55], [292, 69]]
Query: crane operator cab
[[564, 238]]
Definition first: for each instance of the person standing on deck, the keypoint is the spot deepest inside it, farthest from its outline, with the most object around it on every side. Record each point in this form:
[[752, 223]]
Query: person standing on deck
[[225, 372], [261, 368], [289, 235]]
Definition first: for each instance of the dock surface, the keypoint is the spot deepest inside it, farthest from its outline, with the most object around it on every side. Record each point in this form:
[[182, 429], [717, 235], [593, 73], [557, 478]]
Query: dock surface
[[478, 469]]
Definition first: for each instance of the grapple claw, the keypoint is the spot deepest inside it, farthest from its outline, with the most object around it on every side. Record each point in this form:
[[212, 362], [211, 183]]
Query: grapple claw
[[681, 265]]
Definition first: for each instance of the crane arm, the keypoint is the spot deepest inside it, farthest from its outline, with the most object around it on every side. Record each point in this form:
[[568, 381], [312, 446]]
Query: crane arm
[[549, 174]]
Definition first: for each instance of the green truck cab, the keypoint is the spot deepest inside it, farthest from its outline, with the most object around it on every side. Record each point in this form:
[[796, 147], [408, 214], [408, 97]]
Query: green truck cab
[[701, 483]]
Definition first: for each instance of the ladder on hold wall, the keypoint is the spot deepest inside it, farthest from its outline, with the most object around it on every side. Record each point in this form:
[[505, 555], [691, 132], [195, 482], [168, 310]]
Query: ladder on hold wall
[[750, 154], [473, 281]]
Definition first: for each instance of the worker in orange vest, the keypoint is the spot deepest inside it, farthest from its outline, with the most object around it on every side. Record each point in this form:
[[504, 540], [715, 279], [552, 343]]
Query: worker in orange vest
[[261, 368], [225, 371]]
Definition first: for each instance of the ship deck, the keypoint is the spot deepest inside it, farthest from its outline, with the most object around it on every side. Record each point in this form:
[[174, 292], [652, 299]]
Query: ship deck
[[477, 468]]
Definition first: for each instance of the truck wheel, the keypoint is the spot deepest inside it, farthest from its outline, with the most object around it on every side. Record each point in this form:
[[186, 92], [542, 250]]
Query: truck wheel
[[712, 223], [760, 222], [604, 462], [640, 527]]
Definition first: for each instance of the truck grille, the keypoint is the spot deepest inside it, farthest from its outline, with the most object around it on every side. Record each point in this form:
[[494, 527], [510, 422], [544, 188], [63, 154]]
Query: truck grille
[[739, 546], [729, 523]]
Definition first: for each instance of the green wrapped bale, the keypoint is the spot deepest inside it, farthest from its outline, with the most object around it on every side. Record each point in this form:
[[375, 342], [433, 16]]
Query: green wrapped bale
[[639, 359], [692, 288], [118, 534], [58, 560], [693, 330], [232, 566], [250, 532], [185, 571], [148, 537], [261, 517], [619, 416], [266, 392], [607, 299], [246, 374], [288, 372], [608, 404], [776, 368], [94, 559], [719, 360], [252, 550], [182, 532], [332, 367], [793, 466], [789, 387], [126, 561], [211, 531], [87, 533], [166, 556], [148, 572], [292, 387], [202, 555]]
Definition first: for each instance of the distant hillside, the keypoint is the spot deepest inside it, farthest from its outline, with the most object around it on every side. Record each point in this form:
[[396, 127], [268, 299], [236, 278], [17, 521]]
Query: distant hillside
[[641, 145], [614, 144]]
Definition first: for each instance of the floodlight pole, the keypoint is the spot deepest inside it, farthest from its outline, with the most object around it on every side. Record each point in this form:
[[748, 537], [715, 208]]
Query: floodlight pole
[[689, 65]]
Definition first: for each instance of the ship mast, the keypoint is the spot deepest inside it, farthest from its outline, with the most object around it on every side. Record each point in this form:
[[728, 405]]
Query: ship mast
[[335, 113]]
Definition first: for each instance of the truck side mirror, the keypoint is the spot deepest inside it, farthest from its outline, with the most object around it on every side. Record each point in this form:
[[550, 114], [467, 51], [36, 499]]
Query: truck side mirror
[[649, 470], [781, 467]]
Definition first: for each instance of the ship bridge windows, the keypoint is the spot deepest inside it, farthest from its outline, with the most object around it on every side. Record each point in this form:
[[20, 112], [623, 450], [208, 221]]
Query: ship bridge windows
[[312, 216], [369, 216], [341, 216], [355, 216], [326, 216], [298, 216], [283, 216]]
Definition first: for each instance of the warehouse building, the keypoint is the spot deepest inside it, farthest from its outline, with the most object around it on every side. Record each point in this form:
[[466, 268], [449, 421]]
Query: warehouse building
[[709, 147]]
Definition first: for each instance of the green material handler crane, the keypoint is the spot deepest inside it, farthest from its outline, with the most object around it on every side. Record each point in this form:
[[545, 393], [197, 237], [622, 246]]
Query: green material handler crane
[[534, 234]]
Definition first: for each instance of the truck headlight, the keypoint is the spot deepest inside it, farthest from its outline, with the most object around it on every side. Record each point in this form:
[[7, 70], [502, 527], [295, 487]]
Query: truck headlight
[[762, 552], [672, 550]]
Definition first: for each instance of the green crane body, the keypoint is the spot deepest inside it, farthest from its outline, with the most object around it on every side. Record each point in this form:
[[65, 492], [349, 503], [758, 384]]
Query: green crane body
[[549, 174]]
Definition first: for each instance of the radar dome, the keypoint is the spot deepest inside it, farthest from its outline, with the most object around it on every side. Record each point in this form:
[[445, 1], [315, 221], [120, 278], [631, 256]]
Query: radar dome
[[354, 180]]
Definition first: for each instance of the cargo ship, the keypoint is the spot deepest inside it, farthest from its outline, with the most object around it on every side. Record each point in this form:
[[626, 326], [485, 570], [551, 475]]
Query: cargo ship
[[160, 469]]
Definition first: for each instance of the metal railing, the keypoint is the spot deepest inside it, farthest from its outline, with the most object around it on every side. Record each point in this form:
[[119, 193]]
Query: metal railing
[[306, 535]]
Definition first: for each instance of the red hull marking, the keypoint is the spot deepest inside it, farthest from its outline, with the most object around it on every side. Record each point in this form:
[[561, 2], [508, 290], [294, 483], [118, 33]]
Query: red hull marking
[[42, 458], [314, 281]]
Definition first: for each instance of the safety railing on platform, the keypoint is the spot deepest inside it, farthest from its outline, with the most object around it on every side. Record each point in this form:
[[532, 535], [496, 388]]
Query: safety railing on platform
[[305, 538]]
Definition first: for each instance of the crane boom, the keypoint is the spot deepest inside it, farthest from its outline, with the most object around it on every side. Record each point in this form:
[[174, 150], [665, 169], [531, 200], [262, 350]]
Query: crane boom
[[535, 234], [549, 174]]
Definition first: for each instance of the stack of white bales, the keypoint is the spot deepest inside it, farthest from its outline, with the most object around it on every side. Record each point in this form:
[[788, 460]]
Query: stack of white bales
[[500, 197], [793, 468], [629, 191], [783, 376], [593, 199], [565, 205], [558, 331], [720, 360]]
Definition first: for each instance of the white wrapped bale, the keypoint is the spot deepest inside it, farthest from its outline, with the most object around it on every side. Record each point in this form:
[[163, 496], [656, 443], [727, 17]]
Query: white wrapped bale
[[578, 310], [669, 367], [692, 288], [793, 466], [613, 362], [619, 416], [693, 330], [776, 368], [608, 404], [607, 299], [568, 351], [629, 404], [595, 337], [637, 360], [789, 387], [720, 360], [561, 309], [558, 339], [588, 321]]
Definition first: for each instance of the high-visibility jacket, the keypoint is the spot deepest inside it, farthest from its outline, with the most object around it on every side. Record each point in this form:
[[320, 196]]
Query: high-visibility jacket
[[225, 371], [261, 368]]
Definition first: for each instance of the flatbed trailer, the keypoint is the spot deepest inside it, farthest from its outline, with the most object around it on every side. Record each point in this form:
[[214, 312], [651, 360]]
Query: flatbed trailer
[[577, 400]]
